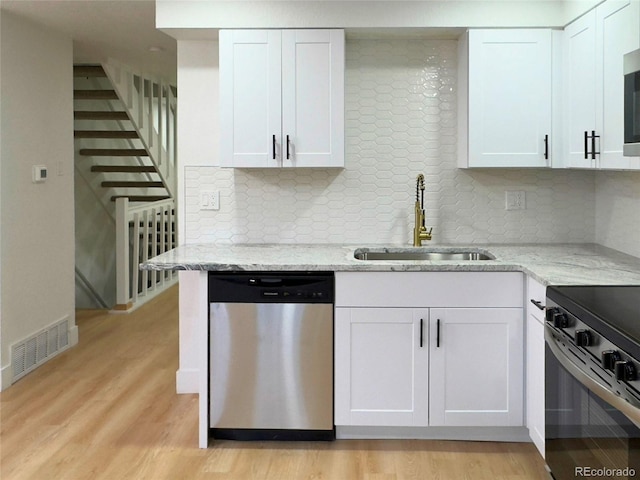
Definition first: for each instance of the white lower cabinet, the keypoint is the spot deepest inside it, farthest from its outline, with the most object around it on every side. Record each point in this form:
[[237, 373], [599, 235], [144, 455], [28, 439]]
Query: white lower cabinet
[[536, 295], [394, 367], [382, 359], [475, 377]]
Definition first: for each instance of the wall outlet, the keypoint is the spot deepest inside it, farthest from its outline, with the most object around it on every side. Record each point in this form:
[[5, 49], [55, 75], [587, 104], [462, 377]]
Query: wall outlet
[[209, 200], [514, 201]]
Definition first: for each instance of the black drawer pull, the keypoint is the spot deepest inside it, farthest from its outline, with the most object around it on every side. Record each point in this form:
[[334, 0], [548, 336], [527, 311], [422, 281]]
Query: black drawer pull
[[537, 304]]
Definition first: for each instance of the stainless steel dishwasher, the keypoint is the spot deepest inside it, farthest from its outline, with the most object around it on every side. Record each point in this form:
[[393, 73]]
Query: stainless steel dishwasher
[[271, 356]]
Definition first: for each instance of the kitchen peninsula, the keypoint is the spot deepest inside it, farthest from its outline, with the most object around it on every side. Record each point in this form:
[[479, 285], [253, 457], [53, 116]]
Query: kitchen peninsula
[[551, 264]]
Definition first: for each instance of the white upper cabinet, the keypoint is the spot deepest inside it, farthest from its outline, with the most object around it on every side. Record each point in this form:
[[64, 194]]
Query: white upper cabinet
[[250, 97], [593, 108], [505, 109], [282, 98], [313, 97]]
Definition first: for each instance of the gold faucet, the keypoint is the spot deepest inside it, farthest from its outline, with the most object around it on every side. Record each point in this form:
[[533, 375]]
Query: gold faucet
[[420, 232]]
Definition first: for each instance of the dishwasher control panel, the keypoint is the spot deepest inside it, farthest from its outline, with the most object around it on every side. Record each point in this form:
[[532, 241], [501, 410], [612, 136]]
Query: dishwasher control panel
[[272, 287]]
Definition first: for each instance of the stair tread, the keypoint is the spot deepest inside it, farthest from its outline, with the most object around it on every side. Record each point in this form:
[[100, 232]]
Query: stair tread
[[123, 168], [88, 71], [95, 95], [99, 115], [114, 152], [133, 184], [105, 134], [141, 198]]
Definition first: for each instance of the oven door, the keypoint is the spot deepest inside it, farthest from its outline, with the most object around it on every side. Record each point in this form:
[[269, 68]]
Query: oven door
[[590, 432]]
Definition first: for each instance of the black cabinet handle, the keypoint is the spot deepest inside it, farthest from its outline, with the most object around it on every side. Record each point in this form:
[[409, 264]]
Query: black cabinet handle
[[546, 147], [273, 145], [593, 152], [586, 143], [438, 333], [537, 304], [593, 145], [287, 147], [421, 330]]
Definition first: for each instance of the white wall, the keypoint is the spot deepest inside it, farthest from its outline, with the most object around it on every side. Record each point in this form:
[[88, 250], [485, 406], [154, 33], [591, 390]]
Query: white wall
[[2, 373], [618, 211], [198, 142], [37, 251]]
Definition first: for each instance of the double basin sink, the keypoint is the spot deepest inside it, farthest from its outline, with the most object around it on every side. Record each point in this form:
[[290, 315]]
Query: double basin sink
[[421, 254]]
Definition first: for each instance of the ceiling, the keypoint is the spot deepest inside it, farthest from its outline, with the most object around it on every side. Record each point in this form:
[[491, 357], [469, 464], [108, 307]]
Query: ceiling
[[122, 29]]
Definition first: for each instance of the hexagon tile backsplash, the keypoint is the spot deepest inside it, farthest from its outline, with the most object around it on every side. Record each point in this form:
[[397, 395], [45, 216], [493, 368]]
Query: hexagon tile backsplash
[[400, 121], [618, 211]]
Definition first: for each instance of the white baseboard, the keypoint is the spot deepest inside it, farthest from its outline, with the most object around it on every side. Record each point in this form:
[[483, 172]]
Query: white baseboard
[[142, 299], [187, 380], [492, 434], [6, 377], [73, 336]]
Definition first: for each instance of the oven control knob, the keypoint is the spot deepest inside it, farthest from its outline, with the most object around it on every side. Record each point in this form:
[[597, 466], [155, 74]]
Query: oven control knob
[[560, 320], [609, 359], [625, 371], [551, 311], [584, 338]]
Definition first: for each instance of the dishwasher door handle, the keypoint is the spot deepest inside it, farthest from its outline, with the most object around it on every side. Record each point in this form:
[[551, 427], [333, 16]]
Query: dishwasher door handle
[[266, 282]]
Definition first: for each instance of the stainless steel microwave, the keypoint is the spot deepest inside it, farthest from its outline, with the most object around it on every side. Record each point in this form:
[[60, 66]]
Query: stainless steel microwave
[[632, 104]]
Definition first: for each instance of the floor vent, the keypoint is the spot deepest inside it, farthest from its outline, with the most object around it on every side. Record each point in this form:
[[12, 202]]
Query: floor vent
[[38, 348]]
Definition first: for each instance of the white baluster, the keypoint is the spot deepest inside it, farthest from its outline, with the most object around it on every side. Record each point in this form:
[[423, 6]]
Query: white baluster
[[136, 257]]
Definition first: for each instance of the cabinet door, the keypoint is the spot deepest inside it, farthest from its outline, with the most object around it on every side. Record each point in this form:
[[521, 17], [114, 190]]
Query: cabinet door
[[618, 32], [579, 89], [475, 374], [250, 98], [313, 98], [509, 97], [535, 390], [381, 366]]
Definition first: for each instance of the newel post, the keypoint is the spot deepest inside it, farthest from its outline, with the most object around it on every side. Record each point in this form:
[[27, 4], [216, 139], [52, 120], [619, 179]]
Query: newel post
[[123, 297]]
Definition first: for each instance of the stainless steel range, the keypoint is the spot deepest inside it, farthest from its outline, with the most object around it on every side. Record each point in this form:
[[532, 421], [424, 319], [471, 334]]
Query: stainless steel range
[[592, 380]]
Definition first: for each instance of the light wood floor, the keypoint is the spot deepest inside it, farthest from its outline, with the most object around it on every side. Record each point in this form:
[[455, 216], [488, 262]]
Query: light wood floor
[[107, 409]]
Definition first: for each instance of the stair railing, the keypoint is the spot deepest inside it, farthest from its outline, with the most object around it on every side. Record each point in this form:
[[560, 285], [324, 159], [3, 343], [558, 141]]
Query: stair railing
[[142, 232], [152, 107]]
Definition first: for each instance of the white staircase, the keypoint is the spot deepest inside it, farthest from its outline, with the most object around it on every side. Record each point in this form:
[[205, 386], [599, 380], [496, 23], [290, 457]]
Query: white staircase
[[125, 161]]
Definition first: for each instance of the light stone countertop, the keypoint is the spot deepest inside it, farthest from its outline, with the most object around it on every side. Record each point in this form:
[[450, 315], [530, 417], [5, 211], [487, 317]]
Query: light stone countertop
[[549, 264]]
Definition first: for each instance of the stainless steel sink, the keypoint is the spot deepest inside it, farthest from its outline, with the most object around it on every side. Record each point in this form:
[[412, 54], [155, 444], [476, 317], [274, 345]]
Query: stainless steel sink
[[421, 254]]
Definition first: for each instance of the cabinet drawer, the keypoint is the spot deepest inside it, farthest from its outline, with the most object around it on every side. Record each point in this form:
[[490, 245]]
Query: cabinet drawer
[[429, 289]]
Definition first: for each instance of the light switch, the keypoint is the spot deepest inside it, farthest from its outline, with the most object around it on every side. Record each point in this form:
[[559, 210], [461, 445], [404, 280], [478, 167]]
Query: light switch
[[209, 200]]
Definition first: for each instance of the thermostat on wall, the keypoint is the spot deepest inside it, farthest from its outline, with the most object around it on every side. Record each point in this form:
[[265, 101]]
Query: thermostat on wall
[[39, 173]]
